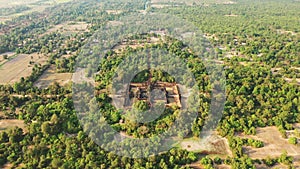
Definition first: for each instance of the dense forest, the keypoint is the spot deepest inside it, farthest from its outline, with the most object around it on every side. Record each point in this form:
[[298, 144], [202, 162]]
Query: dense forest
[[256, 42]]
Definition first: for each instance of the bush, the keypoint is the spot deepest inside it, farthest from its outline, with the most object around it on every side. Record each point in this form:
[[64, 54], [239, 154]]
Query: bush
[[293, 140], [218, 160], [5, 56], [270, 162]]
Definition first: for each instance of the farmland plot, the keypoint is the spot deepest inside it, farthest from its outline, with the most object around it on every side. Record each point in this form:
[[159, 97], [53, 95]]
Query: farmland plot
[[8, 55], [69, 28], [20, 66], [50, 76]]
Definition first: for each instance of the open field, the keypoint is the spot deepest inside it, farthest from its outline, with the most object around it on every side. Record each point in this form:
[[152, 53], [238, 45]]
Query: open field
[[282, 31], [68, 28], [274, 144], [2, 114], [197, 165], [9, 55], [14, 15], [212, 145], [263, 166], [18, 67], [133, 44], [9, 3], [114, 12], [290, 80], [276, 71], [7, 124], [7, 166], [34, 5], [161, 5], [167, 3], [51, 76]]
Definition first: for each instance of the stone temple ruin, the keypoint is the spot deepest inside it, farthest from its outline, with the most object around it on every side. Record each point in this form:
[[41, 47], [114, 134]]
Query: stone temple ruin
[[152, 93]]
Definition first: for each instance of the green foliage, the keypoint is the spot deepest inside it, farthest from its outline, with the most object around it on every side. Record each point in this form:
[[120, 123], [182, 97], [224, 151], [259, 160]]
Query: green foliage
[[293, 140], [256, 97], [270, 162], [141, 105]]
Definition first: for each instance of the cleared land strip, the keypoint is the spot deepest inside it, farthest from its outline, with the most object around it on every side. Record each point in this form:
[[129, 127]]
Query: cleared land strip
[[274, 145], [50, 76], [13, 70]]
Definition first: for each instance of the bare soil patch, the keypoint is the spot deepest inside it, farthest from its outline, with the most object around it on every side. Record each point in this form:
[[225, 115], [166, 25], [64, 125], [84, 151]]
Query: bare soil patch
[[9, 55], [68, 28], [20, 66], [50, 76], [297, 68], [223, 166], [275, 70], [34, 5], [8, 3], [186, 2], [7, 124], [282, 31], [134, 44], [7, 166], [225, 2], [114, 12], [274, 144], [160, 5], [290, 80], [213, 144], [2, 114], [196, 165], [263, 166], [115, 23]]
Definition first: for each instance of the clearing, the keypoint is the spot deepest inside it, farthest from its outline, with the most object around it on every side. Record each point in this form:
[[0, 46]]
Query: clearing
[[291, 80], [51, 76], [134, 44], [7, 124], [68, 28], [282, 31], [168, 3], [34, 6], [114, 12], [276, 71], [9, 56], [211, 145], [274, 144], [20, 66], [197, 165]]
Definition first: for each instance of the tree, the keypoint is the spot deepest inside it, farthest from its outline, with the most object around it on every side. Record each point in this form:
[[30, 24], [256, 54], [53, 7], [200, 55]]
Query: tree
[[206, 161], [217, 160], [269, 161], [3, 137], [56, 163], [5, 57], [15, 135], [285, 159], [46, 128]]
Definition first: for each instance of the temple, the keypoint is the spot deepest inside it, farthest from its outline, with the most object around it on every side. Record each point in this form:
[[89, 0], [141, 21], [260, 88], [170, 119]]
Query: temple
[[168, 93]]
